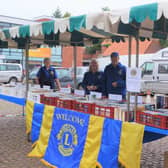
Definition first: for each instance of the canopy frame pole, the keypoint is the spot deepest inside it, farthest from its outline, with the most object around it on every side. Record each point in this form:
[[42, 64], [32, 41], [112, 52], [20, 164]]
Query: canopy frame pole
[[137, 65], [129, 65], [75, 65], [23, 75], [27, 66]]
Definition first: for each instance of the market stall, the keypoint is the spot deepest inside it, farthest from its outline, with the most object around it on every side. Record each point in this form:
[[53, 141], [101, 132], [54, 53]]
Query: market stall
[[142, 22]]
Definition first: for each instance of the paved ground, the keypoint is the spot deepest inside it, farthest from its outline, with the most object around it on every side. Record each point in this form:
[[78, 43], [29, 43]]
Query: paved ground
[[14, 146]]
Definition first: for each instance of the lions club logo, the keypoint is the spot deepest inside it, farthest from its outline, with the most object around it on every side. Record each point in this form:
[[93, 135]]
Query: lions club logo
[[68, 139]]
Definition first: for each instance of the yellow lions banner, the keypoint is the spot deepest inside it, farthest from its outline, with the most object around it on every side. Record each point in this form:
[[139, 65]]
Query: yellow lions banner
[[69, 139]]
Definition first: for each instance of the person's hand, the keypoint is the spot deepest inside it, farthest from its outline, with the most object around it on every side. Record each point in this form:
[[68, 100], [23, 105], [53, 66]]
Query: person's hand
[[114, 84], [37, 81], [94, 87], [89, 87]]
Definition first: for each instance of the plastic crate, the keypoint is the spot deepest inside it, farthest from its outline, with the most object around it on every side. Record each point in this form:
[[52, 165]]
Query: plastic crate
[[42, 99], [64, 103], [103, 111], [49, 100], [83, 107], [123, 115], [158, 121]]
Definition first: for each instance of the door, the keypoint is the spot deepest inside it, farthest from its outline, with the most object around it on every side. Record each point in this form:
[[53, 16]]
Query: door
[[3, 73], [162, 74], [148, 71], [14, 71]]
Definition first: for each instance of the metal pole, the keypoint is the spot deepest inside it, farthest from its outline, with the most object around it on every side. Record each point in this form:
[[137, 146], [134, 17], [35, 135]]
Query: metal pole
[[27, 67], [137, 65], [75, 65], [23, 109], [129, 65]]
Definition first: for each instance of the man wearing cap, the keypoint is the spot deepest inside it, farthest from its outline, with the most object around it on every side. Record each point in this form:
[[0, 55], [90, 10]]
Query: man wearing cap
[[48, 76], [114, 81]]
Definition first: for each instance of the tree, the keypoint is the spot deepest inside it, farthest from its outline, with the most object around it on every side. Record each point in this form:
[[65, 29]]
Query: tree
[[164, 43], [94, 48], [106, 8], [66, 14], [57, 13]]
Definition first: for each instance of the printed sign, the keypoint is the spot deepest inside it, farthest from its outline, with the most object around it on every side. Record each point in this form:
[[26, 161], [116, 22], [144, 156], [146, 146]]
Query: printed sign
[[96, 94], [115, 97], [133, 80], [79, 92], [132, 99], [65, 90]]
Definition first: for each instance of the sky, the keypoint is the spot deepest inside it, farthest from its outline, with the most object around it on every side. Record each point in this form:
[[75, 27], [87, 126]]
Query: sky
[[29, 9]]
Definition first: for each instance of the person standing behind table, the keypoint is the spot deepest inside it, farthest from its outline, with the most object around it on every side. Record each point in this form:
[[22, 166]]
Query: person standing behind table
[[114, 80], [47, 76], [92, 80]]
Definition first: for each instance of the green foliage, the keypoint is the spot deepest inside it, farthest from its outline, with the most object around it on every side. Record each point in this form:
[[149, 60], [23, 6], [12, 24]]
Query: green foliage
[[106, 8], [93, 49], [106, 45], [57, 13], [164, 43], [66, 14]]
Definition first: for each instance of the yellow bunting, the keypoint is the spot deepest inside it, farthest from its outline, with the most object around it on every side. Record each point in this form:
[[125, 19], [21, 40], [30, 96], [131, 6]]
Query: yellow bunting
[[131, 144], [48, 164], [29, 115], [93, 142], [42, 143]]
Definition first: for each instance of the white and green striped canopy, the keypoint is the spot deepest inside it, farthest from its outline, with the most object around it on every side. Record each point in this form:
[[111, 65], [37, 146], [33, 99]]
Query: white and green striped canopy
[[146, 21]]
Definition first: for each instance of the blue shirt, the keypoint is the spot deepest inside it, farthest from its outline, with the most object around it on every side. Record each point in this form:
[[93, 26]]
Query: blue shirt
[[47, 77], [114, 74], [92, 79]]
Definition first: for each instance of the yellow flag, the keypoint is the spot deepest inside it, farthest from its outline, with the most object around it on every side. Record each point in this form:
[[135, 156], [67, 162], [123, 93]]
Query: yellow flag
[[93, 142], [29, 115], [42, 143], [131, 144]]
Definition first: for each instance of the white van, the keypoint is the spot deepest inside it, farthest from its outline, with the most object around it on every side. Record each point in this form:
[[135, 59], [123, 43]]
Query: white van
[[156, 70], [155, 73], [10, 72]]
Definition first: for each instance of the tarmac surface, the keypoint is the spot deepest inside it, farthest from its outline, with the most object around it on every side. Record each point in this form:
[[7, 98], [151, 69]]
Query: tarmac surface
[[14, 146]]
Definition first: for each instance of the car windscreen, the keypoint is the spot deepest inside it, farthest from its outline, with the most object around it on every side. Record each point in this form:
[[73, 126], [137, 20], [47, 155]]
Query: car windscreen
[[63, 73]]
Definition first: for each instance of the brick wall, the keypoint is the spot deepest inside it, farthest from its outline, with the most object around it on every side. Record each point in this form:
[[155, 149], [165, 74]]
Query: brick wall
[[67, 56]]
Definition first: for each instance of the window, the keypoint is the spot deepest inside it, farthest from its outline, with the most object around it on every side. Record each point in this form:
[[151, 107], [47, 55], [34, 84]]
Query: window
[[147, 68], [163, 69], [165, 54], [13, 68], [63, 73], [2, 67]]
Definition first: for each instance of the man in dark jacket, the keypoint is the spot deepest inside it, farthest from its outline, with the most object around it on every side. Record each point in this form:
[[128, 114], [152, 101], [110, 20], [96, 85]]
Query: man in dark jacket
[[114, 80]]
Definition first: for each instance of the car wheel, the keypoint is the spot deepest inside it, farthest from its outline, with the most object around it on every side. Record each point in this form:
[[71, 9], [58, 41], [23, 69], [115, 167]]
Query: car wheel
[[13, 79]]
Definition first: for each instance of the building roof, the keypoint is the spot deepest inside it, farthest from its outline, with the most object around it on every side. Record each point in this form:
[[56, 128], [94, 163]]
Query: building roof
[[146, 47], [15, 20], [43, 18]]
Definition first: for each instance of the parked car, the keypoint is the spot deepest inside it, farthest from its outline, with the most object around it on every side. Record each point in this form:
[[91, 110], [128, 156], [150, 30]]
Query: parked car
[[79, 75], [10, 72], [64, 75]]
